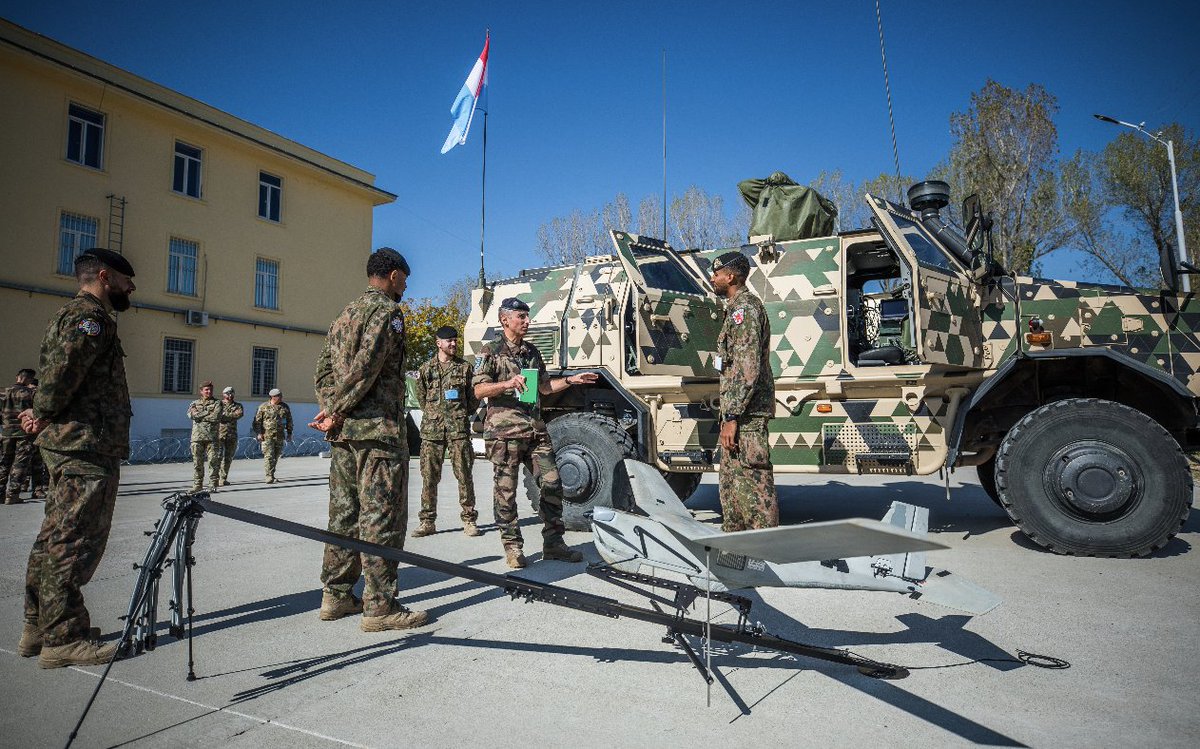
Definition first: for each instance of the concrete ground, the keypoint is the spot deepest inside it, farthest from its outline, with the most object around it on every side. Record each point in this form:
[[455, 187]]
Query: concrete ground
[[490, 672]]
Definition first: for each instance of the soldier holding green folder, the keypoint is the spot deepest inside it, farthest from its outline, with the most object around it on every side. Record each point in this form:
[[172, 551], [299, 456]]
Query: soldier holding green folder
[[510, 373]]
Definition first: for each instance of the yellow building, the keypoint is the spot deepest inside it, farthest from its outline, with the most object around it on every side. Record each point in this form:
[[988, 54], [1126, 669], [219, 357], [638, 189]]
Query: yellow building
[[245, 244]]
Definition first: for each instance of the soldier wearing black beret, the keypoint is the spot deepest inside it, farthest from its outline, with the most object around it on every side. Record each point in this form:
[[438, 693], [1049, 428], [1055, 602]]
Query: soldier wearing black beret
[[81, 417], [747, 481]]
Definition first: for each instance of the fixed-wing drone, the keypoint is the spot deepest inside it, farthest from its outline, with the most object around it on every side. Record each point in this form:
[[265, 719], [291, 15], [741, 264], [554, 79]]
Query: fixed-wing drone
[[855, 554]]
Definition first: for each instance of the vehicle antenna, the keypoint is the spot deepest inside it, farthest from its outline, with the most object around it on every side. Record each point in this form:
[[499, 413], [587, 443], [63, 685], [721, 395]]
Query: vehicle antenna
[[664, 170], [887, 87]]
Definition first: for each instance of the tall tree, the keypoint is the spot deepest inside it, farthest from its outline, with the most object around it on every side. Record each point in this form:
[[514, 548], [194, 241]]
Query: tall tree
[[698, 220], [422, 318], [650, 217], [1006, 149], [614, 216], [568, 239]]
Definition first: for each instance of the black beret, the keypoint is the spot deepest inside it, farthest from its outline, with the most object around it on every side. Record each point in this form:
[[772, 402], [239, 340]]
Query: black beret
[[734, 261], [515, 305], [396, 257], [447, 333], [114, 260]]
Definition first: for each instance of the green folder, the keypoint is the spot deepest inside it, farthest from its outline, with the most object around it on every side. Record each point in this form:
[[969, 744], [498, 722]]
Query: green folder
[[530, 393]]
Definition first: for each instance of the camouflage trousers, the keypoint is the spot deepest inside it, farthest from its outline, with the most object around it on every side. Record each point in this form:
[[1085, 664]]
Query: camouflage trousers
[[68, 548], [206, 452], [433, 454], [16, 462], [227, 448], [39, 476], [537, 455], [747, 481], [271, 450], [368, 500]]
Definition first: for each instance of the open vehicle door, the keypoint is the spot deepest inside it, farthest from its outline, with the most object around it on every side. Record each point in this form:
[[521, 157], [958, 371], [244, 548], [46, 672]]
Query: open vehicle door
[[673, 318], [948, 322]]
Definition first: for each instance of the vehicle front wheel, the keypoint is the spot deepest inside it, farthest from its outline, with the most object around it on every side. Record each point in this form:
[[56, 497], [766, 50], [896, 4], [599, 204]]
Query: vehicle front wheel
[[987, 479], [1093, 477]]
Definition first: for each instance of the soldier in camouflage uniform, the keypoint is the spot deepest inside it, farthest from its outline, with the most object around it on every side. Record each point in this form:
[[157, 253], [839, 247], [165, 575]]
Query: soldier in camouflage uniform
[[360, 388], [447, 401], [516, 434], [205, 413], [747, 482], [227, 433], [16, 447], [272, 425], [39, 477], [81, 415]]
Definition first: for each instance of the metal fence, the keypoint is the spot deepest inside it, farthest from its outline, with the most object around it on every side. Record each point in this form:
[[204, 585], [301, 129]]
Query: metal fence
[[179, 449]]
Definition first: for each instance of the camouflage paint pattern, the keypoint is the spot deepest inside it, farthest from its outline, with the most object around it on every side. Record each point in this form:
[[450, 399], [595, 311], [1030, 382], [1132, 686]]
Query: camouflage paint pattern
[[433, 454]]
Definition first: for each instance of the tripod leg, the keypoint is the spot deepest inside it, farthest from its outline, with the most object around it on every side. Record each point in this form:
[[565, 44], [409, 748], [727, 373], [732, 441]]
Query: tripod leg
[[189, 535]]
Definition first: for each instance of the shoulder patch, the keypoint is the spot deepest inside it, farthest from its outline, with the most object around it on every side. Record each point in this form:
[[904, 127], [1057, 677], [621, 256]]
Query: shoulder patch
[[478, 363], [90, 327], [739, 315], [398, 323]]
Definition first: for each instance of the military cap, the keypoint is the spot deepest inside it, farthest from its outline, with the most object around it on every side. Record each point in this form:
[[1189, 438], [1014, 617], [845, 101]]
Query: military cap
[[447, 333], [228, 391], [206, 384], [274, 392], [113, 260], [512, 304], [734, 261], [396, 257]]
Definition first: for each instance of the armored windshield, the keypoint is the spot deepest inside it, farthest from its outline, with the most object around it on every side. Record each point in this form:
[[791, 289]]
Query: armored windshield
[[661, 271], [910, 231]]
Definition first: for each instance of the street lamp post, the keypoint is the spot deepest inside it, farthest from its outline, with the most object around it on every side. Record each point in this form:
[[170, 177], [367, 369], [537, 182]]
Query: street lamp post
[[1182, 243]]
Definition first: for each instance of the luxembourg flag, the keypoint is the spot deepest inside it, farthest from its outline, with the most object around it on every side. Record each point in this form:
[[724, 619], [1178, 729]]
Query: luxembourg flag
[[463, 108]]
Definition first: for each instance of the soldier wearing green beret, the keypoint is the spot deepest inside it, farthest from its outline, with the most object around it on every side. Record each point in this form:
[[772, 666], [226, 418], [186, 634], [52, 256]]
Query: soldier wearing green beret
[[747, 480], [81, 416]]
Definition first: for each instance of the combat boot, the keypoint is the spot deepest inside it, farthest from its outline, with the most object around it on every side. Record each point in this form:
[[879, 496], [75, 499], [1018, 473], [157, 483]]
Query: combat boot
[[270, 479], [15, 499], [31, 640], [78, 653], [40, 493], [472, 530], [335, 607], [400, 618], [561, 552], [514, 558], [423, 530]]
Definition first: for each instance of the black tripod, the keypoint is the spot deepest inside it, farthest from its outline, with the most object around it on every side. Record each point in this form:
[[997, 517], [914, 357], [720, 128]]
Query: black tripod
[[174, 533]]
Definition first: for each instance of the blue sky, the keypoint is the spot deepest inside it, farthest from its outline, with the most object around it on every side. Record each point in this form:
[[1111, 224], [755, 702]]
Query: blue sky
[[575, 92]]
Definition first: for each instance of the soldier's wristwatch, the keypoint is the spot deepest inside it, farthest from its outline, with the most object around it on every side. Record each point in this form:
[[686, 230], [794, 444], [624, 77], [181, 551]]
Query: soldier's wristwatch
[[731, 417]]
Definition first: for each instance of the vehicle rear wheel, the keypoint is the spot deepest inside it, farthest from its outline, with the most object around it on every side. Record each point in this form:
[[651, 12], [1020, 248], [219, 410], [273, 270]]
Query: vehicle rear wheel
[[1092, 477], [588, 449]]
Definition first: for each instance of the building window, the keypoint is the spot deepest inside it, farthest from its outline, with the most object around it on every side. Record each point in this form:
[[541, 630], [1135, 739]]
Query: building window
[[187, 170], [75, 234], [266, 284], [85, 136], [181, 266], [177, 365], [262, 370], [270, 192]]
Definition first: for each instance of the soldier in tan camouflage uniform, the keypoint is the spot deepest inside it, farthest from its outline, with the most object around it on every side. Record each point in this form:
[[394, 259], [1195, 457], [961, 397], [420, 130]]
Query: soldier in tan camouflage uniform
[[516, 434], [205, 413], [447, 400], [16, 447], [272, 425], [360, 388], [227, 433], [747, 481], [81, 416]]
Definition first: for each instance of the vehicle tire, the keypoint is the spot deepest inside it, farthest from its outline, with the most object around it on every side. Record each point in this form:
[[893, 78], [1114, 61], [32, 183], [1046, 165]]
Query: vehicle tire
[[1092, 477], [987, 479], [684, 484], [589, 449]]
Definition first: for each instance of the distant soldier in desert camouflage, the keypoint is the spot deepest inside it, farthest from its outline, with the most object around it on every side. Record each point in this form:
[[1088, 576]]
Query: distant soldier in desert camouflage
[[444, 392], [747, 482], [360, 388], [272, 426], [81, 415], [227, 433], [205, 413], [16, 447], [516, 434]]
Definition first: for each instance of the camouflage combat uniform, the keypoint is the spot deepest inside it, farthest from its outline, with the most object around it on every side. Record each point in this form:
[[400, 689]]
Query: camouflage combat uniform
[[84, 397], [227, 436], [447, 400], [16, 447], [205, 414], [747, 481], [275, 425], [516, 435], [360, 376]]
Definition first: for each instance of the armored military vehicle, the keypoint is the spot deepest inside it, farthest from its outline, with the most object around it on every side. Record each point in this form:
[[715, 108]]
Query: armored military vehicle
[[900, 349]]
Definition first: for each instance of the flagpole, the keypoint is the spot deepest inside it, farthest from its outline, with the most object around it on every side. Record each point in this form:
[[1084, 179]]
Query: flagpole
[[483, 202]]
